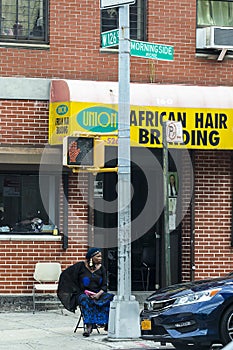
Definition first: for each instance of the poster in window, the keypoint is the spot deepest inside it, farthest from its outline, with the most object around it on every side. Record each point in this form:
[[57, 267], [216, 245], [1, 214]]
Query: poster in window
[[172, 199], [98, 189], [11, 186]]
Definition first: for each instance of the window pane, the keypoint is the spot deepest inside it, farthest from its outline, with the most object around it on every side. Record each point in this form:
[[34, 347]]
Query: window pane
[[20, 202], [109, 20], [137, 20], [31, 204], [214, 13], [22, 19], [10, 191]]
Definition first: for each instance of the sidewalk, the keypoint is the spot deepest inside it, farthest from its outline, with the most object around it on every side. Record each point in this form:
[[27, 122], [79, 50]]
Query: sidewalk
[[54, 330]]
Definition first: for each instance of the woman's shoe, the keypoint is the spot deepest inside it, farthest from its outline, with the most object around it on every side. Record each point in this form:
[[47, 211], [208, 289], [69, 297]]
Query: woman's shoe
[[87, 330], [106, 327]]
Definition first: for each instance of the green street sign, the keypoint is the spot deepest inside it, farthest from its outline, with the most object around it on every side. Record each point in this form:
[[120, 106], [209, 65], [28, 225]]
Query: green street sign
[[150, 50], [110, 38], [139, 48]]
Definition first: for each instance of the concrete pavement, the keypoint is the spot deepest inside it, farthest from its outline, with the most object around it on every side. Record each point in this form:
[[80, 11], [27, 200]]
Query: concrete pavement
[[54, 330]]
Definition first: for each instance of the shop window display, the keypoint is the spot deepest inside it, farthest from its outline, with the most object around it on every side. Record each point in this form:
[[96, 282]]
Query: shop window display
[[22, 209]]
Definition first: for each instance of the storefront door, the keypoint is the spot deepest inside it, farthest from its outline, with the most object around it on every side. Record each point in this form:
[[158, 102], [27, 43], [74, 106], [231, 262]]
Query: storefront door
[[147, 253]]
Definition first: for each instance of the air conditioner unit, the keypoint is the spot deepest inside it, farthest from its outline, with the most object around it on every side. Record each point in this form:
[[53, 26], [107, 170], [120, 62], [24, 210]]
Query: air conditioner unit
[[215, 38]]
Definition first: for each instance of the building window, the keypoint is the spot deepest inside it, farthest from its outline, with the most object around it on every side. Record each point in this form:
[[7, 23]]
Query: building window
[[109, 20], [214, 13], [23, 206], [24, 21]]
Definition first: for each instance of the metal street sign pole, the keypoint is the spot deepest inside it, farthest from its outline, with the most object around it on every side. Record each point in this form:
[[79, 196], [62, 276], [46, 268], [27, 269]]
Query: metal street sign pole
[[172, 132], [167, 246], [124, 309]]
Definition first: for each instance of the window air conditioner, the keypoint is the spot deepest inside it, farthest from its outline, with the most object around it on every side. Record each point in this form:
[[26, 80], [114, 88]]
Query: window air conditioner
[[215, 38]]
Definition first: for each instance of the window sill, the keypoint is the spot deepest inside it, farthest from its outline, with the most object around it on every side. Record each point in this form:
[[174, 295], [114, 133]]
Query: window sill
[[28, 237], [25, 45]]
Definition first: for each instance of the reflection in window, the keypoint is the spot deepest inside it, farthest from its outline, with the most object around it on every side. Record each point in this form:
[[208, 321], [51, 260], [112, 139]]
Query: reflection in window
[[23, 20], [214, 13], [21, 207], [109, 20]]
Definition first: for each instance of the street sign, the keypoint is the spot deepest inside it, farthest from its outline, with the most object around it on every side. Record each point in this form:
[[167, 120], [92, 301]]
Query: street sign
[[174, 131], [139, 48], [115, 3], [110, 38], [150, 50]]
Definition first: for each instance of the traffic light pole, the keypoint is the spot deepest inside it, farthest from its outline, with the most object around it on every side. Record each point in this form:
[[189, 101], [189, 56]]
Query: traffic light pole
[[124, 309]]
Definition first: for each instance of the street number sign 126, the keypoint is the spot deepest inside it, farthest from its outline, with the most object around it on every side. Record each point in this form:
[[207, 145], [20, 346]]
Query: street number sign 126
[[110, 38]]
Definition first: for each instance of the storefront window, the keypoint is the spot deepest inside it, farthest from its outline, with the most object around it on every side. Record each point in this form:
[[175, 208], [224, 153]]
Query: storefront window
[[22, 209]]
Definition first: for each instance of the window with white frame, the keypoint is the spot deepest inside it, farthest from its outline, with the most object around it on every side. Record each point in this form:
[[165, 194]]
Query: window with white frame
[[215, 13], [24, 21], [109, 20]]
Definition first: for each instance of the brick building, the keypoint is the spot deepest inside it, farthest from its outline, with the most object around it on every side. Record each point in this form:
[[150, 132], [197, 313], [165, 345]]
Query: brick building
[[51, 55]]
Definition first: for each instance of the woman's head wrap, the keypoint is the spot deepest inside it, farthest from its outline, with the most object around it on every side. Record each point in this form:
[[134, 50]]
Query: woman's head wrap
[[92, 252]]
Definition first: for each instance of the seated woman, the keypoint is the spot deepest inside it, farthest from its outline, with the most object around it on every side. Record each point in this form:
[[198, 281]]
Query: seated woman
[[85, 284]]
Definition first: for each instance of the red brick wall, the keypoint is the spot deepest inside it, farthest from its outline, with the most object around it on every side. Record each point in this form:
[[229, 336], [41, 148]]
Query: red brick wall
[[74, 51], [17, 262], [213, 206], [24, 122], [18, 259], [186, 186], [186, 248]]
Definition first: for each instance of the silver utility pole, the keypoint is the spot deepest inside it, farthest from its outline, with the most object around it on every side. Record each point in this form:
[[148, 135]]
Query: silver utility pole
[[167, 245], [124, 309], [124, 180]]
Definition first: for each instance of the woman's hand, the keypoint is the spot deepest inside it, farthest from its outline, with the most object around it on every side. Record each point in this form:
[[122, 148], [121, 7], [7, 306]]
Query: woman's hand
[[97, 295]]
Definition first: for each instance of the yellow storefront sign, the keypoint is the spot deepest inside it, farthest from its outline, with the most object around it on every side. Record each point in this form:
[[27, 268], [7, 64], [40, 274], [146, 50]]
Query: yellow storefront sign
[[203, 128]]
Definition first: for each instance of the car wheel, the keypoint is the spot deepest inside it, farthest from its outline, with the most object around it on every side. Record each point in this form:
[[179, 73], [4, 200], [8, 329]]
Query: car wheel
[[226, 326]]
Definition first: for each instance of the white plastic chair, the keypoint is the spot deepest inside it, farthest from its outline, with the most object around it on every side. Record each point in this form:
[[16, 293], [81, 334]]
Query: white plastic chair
[[47, 274]]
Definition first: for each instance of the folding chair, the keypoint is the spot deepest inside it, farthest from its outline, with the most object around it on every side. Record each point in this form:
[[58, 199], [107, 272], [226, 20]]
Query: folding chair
[[81, 319], [47, 274]]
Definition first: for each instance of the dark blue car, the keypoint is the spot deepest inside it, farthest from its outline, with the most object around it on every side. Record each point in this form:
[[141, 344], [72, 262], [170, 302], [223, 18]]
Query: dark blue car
[[193, 315]]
